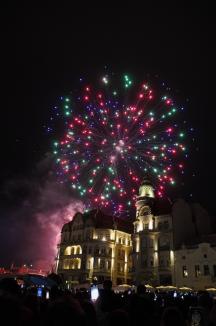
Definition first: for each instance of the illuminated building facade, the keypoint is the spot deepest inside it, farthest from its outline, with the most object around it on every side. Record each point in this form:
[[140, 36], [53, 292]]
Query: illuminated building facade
[[195, 265], [95, 246], [145, 250]]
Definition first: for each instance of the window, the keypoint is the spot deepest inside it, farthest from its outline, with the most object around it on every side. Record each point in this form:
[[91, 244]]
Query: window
[[143, 243], [96, 251], [205, 256], [146, 226], [166, 225], [164, 243], [96, 263], [121, 254], [161, 262], [197, 270], [102, 264], [144, 263], [109, 251], [214, 270], [90, 250], [67, 251], [109, 265], [206, 270], [103, 251], [151, 263], [66, 264], [88, 235], [183, 257], [120, 268], [150, 243], [184, 271], [84, 249]]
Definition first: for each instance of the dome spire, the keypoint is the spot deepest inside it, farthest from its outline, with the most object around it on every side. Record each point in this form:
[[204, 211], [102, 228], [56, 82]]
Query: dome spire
[[146, 181]]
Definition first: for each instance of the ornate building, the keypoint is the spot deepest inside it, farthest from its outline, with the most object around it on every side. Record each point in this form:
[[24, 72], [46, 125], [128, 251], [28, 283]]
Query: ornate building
[[95, 246], [147, 249]]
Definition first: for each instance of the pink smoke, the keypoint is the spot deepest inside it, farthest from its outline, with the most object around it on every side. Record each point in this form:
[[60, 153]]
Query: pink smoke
[[31, 224], [51, 224]]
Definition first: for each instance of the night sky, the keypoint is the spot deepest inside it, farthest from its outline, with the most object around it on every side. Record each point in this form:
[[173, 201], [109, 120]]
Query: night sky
[[45, 50]]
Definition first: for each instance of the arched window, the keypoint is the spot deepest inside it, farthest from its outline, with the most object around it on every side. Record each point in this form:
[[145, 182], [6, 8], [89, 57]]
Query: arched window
[[66, 264], [67, 251]]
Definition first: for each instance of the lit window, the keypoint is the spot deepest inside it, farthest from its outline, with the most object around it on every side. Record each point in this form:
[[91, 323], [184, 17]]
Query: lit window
[[197, 270], [184, 271]]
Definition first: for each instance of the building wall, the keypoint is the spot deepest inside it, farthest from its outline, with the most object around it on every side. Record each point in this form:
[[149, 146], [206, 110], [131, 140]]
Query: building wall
[[87, 253], [196, 267], [153, 260]]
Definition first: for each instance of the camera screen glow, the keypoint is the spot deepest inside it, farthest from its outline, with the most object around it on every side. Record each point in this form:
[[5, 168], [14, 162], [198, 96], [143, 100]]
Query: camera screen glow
[[94, 294]]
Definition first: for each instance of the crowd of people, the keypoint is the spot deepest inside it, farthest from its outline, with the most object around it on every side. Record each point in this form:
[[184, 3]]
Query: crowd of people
[[23, 306]]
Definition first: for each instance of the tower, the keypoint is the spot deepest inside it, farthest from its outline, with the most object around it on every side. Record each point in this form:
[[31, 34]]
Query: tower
[[152, 238], [144, 238], [146, 196]]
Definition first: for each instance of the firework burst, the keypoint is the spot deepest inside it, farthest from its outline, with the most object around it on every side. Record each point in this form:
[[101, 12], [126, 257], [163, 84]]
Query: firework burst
[[115, 133]]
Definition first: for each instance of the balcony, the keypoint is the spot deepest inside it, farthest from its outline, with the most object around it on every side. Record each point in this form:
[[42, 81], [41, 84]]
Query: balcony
[[72, 256], [164, 247]]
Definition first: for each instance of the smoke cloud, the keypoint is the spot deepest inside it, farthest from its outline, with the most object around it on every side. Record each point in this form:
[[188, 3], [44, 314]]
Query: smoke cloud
[[31, 217]]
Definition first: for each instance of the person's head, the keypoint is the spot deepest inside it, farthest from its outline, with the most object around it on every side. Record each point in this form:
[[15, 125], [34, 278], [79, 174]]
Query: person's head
[[172, 317], [63, 311], [9, 285], [117, 317], [90, 312], [141, 289], [107, 285], [204, 300]]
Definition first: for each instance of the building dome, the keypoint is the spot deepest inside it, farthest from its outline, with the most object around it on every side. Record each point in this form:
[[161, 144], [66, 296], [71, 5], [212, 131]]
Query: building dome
[[146, 189], [146, 181]]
